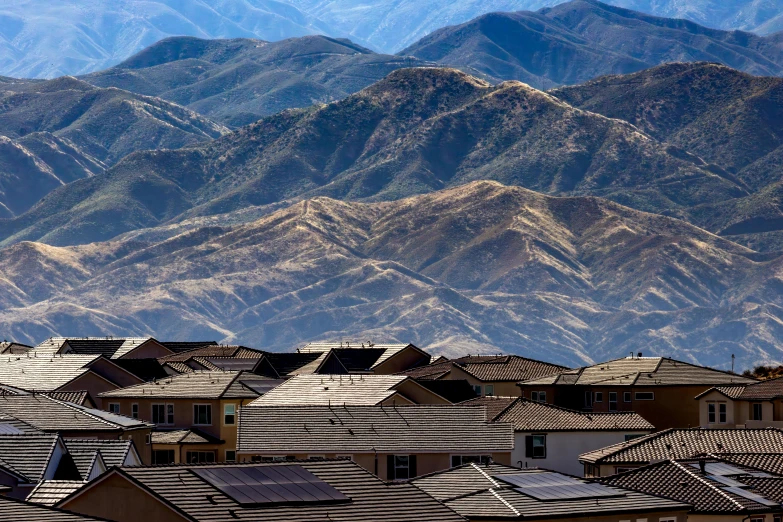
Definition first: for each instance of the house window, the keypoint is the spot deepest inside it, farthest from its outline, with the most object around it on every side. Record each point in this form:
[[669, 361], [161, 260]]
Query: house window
[[757, 411], [231, 456], [162, 457], [722, 413], [163, 413], [401, 467], [316, 457], [276, 458], [202, 414], [135, 410], [626, 396], [674, 519], [612, 401], [199, 457], [489, 390], [539, 396], [535, 446], [230, 414], [599, 396], [588, 400], [711, 413], [459, 460], [114, 407], [477, 389], [645, 396]]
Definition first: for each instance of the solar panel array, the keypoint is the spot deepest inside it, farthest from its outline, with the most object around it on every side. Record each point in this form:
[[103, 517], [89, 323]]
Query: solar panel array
[[751, 496], [721, 469], [554, 486], [726, 481], [254, 485]]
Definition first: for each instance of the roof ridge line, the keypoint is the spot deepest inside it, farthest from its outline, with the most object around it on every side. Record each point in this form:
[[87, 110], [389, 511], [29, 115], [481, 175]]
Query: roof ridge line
[[485, 475], [99, 419], [505, 502], [715, 488]]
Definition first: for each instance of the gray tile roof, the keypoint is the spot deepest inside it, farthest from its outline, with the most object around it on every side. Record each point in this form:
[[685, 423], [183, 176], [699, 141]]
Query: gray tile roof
[[109, 347], [113, 451], [687, 443], [50, 492], [29, 453], [315, 389], [179, 367], [48, 414], [729, 391], [17, 511], [526, 415], [87, 461], [489, 368], [764, 390], [643, 371], [213, 351], [42, 372], [10, 347], [195, 385], [76, 397], [362, 429], [473, 492], [370, 498], [191, 436], [683, 481], [494, 405]]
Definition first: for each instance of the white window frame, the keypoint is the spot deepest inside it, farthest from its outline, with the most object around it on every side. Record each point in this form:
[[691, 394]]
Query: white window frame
[[407, 467], [198, 405], [168, 417], [135, 410], [233, 414], [539, 436], [112, 406], [613, 401]]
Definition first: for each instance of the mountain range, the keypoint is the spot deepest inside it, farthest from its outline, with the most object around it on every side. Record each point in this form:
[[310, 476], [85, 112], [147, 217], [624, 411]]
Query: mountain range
[[44, 39], [476, 268]]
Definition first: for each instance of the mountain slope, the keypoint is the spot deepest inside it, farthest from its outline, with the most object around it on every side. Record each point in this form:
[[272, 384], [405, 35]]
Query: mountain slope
[[579, 40], [480, 267], [416, 131], [240, 81]]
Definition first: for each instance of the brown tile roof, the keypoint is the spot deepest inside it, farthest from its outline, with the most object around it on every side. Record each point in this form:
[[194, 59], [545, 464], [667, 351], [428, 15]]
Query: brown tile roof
[[50, 492], [77, 397], [429, 371], [684, 481], [179, 367], [113, 451], [643, 371], [764, 390], [190, 436], [50, 415], [687, 443], [729, 391], [526, 415], [494, 405], [474, 491], [195, 385], [364, 429], [510, 368], [17, 511], [367, 390], [370, 497], [43, 372], [28, 454], [213, 351]]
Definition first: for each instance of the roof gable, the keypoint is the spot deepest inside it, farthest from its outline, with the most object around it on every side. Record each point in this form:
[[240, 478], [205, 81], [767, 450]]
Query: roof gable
[[527, 415]]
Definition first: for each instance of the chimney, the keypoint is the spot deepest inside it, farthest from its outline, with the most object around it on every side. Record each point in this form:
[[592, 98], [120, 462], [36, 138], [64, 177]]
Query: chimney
[[703, 466]]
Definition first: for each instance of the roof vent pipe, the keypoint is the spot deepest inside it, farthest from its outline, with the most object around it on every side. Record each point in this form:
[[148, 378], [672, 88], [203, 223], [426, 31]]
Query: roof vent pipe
[[702, 466], [639, 355]]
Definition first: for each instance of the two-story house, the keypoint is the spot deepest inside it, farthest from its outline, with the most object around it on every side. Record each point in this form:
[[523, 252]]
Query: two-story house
[[756, 405]]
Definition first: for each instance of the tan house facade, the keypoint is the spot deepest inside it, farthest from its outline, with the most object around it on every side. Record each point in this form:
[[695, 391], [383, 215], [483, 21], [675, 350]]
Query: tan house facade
[[757, 405]]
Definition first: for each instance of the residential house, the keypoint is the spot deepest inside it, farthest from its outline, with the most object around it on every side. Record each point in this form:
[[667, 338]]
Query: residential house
[[393, 442], [109, 347], [679, 444], [551, 437], [48, 372], [489, 375], [653, 387], [354, 390], [186, 346], [768, 462], [367, 357], [12, 348], [42, 413], [492, 492], [310, 490], [12, 510], [718, 491], [200, 359], [206, 403], [755, 405]]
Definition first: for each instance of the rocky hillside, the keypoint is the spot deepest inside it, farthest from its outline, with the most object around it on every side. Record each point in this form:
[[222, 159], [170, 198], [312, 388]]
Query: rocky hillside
[[58, 131], [481, 267], [240, 81], [417, 131], [577, 41]]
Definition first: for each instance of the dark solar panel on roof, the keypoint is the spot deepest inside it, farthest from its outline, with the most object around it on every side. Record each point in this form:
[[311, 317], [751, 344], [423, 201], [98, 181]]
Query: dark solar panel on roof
[[755, 497], [261, 387], [554, 486], [726, 481], [270, 485], [721, 469]]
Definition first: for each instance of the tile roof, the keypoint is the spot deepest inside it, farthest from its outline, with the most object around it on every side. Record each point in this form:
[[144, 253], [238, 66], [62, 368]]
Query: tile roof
[[86, 462], [473, 491], [180, 346], [729, 391], [360, 356], [326, 346], [50, 492], [195, 385], [12, 510], [213, 351], [494, 405], [190, 436], [687, 443], [489, 368], [643, 371], [233, 364], [287, 363], [769, 462], [114, 452], [144, 369], [316, 389], [109, 347], [76, 397], [764, 390], [526, 415], [10, 347], [429, 371], [369, 496], [455, 391], [48, 414], [179, 367], [684, 481], [43, 372], [364, 429], [28, 454]]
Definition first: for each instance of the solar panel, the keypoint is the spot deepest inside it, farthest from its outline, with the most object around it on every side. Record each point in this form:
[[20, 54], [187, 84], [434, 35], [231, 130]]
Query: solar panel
[[554, 486], [751, 496], [253, 485], [726, 481], [720, 469]]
